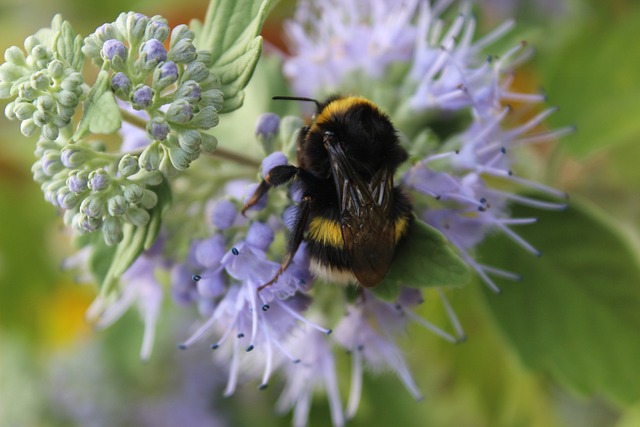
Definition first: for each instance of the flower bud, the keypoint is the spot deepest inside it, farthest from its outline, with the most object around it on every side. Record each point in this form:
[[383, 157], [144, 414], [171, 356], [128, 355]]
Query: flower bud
[[67, 98], [56, 69], [51, 163], [182, 52], [133, 193], [180, 159], [206, 118], [67, 199], [150, 158], [72, 157], [179, 111], [128, 165], [165, 75], [89, 224], [45, 103], [113, 48], [23, 110], [158, 128], [112, 231], [50, 132], [152, 52], [39, 53], [28, 127], [142, 97], [99, 180], [157, 29], [41, 118], [137, 216], [72, 82], [121, 85], [181, 32], [40, 81], [149, 199], [189, 91], [92, 207], [196, 71], [106, 32], [117, 205], [267, 128], [260, 236], [15, 55], [274, 159], [78, 181], [223, 214], [213, 98], [136, 26], [209, 142], [190, 141]]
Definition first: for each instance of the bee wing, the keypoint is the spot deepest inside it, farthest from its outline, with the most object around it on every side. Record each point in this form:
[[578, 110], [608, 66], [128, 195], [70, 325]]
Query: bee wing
[[366, 209]]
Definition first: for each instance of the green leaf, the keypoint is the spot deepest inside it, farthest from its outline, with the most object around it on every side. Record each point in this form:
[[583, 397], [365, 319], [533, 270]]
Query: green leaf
[[576, 314], [231, 33], [104, 116], [601, 97], [68, 46], [101, 112], [424, 259]]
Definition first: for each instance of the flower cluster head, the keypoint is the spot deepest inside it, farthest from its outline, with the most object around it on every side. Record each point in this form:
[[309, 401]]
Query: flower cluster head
[[173, 88], [46, 84], [169, 93]]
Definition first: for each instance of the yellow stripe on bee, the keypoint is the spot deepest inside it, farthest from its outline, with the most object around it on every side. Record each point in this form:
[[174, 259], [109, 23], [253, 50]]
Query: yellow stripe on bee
[[326, 231], [402, 224], [340, 106], [329, 232]]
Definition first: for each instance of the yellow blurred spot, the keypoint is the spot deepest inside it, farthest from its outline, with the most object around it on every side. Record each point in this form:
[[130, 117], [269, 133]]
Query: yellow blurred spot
[[63, 315]]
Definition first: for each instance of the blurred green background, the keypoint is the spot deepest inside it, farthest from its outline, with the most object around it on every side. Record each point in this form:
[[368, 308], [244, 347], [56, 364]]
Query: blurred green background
[[56, 371]]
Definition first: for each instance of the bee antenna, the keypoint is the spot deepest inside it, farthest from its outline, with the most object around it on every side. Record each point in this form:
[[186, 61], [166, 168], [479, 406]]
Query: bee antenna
[[297, 98]]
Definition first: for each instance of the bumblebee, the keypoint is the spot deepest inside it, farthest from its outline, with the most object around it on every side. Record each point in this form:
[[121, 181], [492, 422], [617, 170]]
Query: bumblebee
[[351, 215]]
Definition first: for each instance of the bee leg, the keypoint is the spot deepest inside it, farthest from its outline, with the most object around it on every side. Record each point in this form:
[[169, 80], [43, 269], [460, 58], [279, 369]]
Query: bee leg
[[279, 175], [298, 226]]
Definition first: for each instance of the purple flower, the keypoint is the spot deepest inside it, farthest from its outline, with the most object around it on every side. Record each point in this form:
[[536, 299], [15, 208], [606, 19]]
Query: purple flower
[[140, 287], [274, 159], [317, 370], [331, 39], [267, 125], [223, 213]]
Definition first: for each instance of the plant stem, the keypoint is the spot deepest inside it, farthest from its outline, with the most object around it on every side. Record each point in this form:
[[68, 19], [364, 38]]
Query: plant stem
[[220, 153]]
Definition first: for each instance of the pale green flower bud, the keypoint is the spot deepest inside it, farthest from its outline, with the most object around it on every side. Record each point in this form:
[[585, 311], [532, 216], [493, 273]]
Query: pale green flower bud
[[149, 199], [128, 165], [117, 205], [150, 158], [190, 141], [15, 55], [209, 142], [56, 69], [137, 216], [133, 193], [112, 230], [28, 127]]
